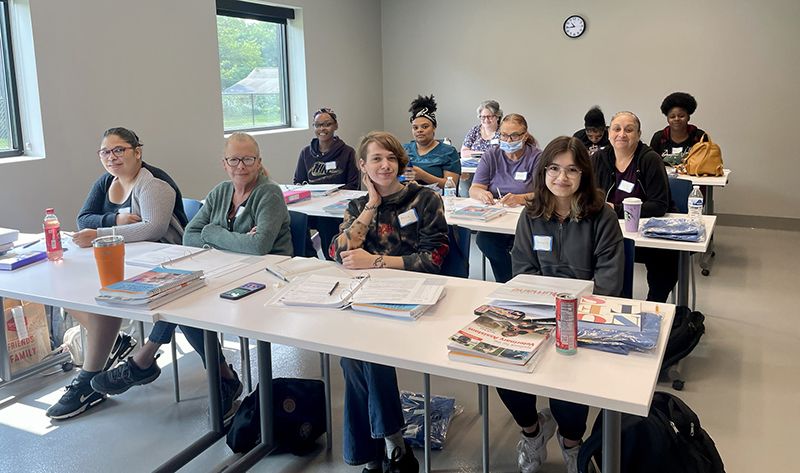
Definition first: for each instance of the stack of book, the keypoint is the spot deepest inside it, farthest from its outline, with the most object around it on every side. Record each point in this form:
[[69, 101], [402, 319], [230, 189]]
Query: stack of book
[[7, 239], [535, 296], [481, 213], [152, 288], [499, 339]]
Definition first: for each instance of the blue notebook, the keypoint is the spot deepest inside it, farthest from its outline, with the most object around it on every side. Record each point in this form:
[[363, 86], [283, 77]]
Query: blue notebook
[[17, 259]]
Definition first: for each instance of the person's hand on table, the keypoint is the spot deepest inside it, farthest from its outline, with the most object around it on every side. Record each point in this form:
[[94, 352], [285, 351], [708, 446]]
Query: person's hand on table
[[357, 259], [485, 196], [83, 238], [513, 200], [125, 219]]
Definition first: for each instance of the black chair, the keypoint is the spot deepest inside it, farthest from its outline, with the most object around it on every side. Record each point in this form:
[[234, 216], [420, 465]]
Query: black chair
[[301, 242], [627, 281], [456, 263]]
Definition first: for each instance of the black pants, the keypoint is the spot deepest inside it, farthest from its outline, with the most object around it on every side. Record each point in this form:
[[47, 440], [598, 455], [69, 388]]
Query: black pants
[[497, 249], [662, 271], [570, 417]]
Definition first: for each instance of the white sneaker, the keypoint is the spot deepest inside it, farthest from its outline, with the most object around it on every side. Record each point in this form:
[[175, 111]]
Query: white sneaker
[[570, 454], [533, 450]]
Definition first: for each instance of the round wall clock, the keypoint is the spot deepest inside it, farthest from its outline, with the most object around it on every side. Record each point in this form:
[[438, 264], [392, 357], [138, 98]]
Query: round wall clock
[[574, 26]]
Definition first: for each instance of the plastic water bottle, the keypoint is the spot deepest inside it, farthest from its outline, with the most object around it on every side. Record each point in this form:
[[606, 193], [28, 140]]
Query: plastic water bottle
[[449, 192], [52, 235], [447, 141], [695, 203]]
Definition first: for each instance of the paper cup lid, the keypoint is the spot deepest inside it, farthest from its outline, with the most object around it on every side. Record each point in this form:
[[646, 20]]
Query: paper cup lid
[[632, 201], [110, 240]]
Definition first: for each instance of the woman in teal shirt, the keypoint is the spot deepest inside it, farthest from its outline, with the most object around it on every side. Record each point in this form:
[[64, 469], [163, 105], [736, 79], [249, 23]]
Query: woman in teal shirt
[[430, 160]]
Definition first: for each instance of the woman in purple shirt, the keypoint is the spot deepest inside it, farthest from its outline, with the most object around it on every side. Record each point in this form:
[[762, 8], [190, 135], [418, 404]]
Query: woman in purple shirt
[[505, 173]]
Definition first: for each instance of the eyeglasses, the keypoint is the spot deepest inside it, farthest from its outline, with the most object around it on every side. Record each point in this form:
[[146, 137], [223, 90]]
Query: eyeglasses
[[247, 160], [323, 125], [117, 151], [512, 136], [554, 170], [484, 118]]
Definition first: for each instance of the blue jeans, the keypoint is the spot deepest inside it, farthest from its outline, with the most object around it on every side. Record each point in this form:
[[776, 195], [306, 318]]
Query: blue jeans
[[162, 333], [497, 249], [372, 410]]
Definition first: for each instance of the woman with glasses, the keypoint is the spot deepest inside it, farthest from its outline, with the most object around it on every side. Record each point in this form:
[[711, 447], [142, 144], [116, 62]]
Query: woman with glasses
[[486, 133], [505, 176], [430, 160], [327, 159], [246, 214], [566, 231], [141, 203], [630, 168], [398, 226], [594, 134]]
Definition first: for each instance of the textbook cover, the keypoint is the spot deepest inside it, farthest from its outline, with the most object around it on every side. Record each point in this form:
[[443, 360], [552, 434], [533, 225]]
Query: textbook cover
[[598, 312], [150, 283], [482, 213], [336, 208], [501, 340], [14, 260], [290, 197]]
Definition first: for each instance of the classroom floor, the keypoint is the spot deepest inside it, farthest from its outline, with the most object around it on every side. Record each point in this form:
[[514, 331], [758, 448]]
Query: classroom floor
[[742, 380]]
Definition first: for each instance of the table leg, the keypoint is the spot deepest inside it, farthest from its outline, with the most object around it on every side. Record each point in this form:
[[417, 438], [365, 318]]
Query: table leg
[[214, 410], [426, 378], [175, 378], [612, 441], [267, 444], [244, 350], [484, 402], [684, 267], [326, 375], [705, 259]]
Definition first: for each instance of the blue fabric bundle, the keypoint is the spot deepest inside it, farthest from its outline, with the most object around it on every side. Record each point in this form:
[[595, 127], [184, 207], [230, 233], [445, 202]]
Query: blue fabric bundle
[[623, 342], [442, 411], [675, 228]]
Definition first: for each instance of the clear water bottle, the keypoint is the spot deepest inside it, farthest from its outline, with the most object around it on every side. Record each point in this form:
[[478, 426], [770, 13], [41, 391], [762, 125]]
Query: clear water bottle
[[52, 235], [695, 203], [449, 192]]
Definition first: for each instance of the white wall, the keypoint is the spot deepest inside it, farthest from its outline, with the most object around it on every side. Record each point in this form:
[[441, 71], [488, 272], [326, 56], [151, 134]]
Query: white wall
[[152, 66], [738, 58]]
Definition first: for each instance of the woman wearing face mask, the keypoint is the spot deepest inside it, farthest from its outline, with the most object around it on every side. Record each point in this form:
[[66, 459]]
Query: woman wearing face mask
[[630, 168], [594, 134], [674, 141], [430, 160], [399, 226], [505, 174]]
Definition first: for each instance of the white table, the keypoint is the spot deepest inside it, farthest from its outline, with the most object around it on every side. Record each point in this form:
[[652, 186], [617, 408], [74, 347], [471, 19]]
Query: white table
[[684, 249], [612, 382]]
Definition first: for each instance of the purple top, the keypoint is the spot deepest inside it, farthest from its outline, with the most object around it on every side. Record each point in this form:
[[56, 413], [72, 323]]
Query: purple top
[[495, 171], [474, 141], [629, 175]]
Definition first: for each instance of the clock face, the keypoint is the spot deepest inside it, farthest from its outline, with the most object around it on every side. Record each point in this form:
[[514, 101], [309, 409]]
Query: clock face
[[574, 26]]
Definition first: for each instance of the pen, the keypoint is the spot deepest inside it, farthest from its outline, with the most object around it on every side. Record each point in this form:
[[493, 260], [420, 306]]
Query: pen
[[31, 244], [330, 293], [499, 194]]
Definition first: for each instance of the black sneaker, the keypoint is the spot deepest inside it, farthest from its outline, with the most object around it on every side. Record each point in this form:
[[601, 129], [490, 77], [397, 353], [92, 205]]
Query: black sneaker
[[124, 377], [372, 470], [79, 397], [231, 390], [401, 463], [123, 346]]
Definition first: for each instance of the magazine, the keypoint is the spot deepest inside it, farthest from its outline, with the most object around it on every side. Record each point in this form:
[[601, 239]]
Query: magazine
[[155, 301], [598, 312], [336, 208], [483, 213], [150, 283]]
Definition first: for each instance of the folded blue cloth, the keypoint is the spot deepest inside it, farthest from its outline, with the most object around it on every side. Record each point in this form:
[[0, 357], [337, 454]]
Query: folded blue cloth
[[675, 228], [623, 342]]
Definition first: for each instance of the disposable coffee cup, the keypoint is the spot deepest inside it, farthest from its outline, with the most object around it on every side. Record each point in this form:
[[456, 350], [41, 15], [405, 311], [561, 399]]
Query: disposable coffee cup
[[109, 254], [632, 208]]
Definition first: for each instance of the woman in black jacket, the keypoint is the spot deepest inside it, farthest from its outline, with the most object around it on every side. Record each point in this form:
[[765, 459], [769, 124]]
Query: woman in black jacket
[[630, 168]]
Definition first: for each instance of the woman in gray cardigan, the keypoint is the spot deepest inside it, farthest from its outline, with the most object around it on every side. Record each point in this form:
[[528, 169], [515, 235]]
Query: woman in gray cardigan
[[246, 214]]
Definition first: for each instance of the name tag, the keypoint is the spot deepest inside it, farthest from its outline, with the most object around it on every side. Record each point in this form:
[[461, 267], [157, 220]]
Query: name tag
[[239, 211], [494, 141], [542, 243], [330, 166], [520, 175], [408, 217], [124, 210], [677, 150], [625, 186]]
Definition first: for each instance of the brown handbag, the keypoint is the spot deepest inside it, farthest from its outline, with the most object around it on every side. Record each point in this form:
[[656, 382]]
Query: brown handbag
[[703, 159]]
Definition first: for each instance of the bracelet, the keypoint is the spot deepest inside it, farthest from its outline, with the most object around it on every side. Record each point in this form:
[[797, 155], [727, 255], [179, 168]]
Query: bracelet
[[371, 207], [379, 262]]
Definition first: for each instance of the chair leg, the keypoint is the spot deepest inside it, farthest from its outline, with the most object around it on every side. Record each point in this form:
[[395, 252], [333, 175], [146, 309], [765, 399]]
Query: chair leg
[[140, 329], [244, 348], [325, 362], [175, 379], [694, 280], [426, 378]]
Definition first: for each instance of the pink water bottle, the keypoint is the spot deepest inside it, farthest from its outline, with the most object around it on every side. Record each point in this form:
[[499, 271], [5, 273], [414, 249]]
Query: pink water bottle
[[52, 235]]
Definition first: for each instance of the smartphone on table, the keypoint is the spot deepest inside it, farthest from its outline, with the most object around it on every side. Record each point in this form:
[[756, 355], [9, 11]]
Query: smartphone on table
[[242, 291]]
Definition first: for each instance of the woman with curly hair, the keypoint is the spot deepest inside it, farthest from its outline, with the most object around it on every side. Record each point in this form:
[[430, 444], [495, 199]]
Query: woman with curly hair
[[679, 135], [430, 160]]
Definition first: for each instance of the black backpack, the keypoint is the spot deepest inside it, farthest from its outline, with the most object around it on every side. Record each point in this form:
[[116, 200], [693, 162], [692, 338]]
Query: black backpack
[[687, 329], [299, 417], [668, 440]]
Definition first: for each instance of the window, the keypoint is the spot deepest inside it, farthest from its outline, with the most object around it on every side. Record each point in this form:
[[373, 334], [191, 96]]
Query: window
[[252, 65], [10, 135]]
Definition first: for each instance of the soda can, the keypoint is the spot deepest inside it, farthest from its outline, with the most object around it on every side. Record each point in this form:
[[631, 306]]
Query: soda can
[[566, 324]]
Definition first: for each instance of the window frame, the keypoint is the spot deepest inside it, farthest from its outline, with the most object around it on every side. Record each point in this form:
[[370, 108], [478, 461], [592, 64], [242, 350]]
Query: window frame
[[269, 14], [15, 122]]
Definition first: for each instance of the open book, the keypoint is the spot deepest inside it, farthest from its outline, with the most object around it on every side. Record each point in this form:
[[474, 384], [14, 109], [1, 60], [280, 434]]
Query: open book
[[291, 268], [536, 295], [406, 298]]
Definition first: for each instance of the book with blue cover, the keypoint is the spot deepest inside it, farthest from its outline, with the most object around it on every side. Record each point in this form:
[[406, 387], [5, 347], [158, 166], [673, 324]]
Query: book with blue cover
[[150, 283], [17, 259], [336, 208], [483, 213]]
